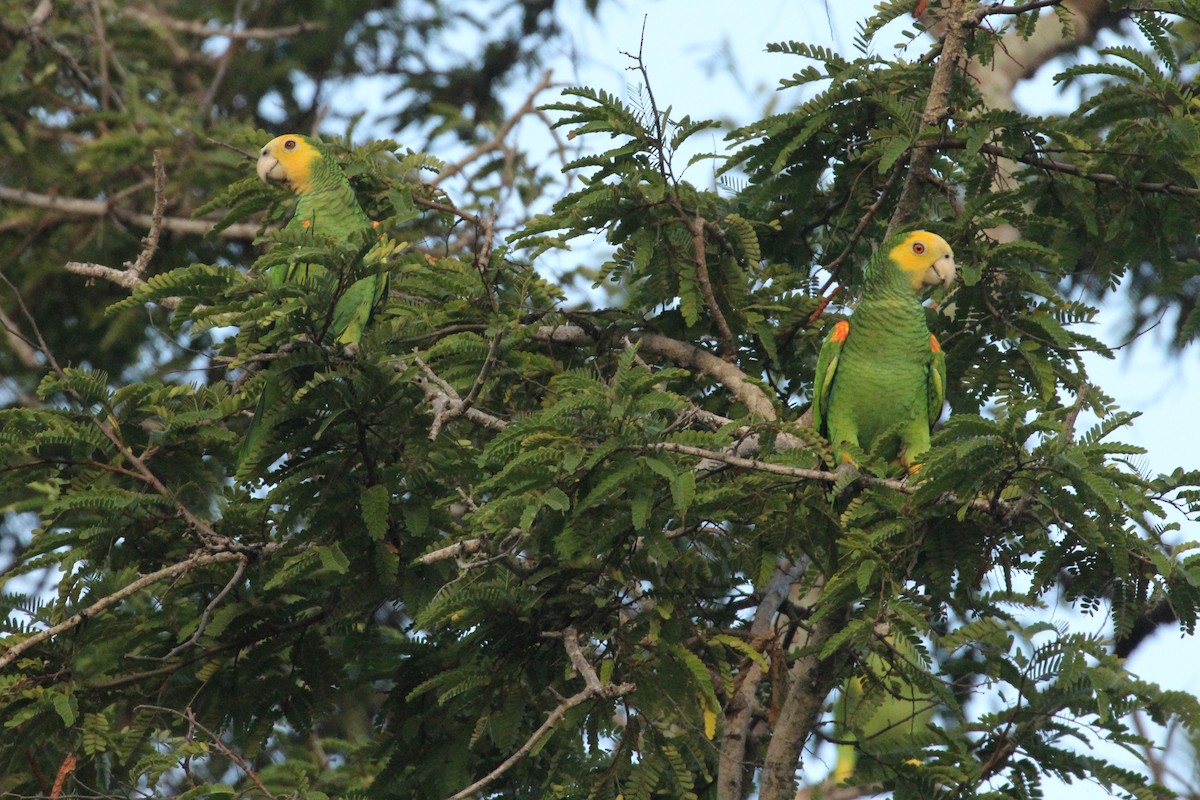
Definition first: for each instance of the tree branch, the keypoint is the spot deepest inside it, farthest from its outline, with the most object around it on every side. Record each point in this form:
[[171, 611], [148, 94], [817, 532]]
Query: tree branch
[[152, 18], [957, 16], [743, 707], [198, 559], [593, 689], [809, 682], [497, 141], [79, 207]]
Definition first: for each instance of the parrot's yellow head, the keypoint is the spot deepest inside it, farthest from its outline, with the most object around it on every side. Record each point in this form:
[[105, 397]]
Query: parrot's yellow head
[[289, 159], [925, 258]]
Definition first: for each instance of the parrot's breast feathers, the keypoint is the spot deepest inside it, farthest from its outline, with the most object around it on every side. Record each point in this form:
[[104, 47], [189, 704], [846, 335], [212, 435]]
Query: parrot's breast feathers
[[289, 159], [925, 258]]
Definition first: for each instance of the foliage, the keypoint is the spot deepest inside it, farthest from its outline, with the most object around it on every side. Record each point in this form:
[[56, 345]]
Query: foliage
[[549, 552]]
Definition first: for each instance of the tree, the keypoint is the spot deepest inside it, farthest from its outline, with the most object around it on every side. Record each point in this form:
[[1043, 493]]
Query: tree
[[507, 547]]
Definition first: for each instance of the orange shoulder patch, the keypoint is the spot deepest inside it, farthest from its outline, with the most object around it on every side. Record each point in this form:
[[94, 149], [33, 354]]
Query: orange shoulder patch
[[934, 346], [840, 332]]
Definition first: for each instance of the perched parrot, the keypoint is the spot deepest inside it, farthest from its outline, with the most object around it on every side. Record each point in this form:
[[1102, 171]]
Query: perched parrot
[[326, 205], [881, 375], [878, 707]]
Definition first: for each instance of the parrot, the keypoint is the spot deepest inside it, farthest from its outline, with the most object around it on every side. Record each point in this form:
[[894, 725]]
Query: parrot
[[880, 382], [326, 205], [895, 708]]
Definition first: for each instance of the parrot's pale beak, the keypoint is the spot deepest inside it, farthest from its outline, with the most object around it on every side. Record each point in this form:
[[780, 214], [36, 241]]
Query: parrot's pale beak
[[941, 271], [269, 169]]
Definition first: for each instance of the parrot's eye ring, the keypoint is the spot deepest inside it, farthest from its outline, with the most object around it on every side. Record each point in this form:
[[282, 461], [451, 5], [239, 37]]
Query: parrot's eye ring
[[918, 248], [290, 144]]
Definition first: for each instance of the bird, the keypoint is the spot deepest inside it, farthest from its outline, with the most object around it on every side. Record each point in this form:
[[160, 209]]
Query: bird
[[879, 706], [326, 206], [880, 381]]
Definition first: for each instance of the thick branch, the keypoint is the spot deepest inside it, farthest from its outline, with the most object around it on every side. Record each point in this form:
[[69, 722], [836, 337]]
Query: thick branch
[[742, 708], [959, 24], [809, 681], [757, 402]]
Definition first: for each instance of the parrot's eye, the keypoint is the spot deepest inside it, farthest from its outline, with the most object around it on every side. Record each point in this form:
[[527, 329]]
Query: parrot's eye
[[919, 248], [290, 144]]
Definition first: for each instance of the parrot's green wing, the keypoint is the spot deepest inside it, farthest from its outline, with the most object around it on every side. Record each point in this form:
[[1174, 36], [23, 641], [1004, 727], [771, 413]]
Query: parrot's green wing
[[356, 305], [827, 364], [937, 380]]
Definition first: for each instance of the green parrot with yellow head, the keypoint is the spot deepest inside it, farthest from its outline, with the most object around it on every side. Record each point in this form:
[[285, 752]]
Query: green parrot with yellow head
[[881, 375], [325, 205]]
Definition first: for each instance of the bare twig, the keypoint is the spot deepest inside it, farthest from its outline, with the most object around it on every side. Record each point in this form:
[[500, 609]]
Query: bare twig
[[497, 141], [489, 362], [153, 18], [150, 243], [216, 601], [445, 401], [466, 547], [593, 689], [79, 207], [1069, 421], [25, 352], [198, 559], [218, 744], [1039, 161]]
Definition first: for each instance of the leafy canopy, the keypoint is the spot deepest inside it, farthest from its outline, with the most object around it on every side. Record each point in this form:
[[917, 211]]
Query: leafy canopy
[[513, 546]]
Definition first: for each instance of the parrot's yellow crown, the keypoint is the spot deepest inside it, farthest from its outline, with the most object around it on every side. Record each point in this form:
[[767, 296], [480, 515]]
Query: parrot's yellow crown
[[925, 258], [289, 159]]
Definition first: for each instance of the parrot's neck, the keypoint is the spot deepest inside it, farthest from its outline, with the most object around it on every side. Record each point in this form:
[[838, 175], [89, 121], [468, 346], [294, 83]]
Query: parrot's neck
[[889, 307], [330, 206]]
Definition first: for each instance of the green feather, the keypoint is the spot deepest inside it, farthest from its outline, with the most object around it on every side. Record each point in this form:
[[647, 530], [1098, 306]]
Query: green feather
[[880, 384]]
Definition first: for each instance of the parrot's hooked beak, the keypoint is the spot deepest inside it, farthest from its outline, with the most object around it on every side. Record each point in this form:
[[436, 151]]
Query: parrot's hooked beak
[[941, 271], [269, 168]]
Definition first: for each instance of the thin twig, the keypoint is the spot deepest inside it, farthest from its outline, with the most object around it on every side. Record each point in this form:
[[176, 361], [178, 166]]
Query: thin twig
[[489, 362], [208, 610], [218, 744], [150, 243], [199, 559], [496, 142], [593, 689], [990, 10], [152, 18], [79, 207]]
